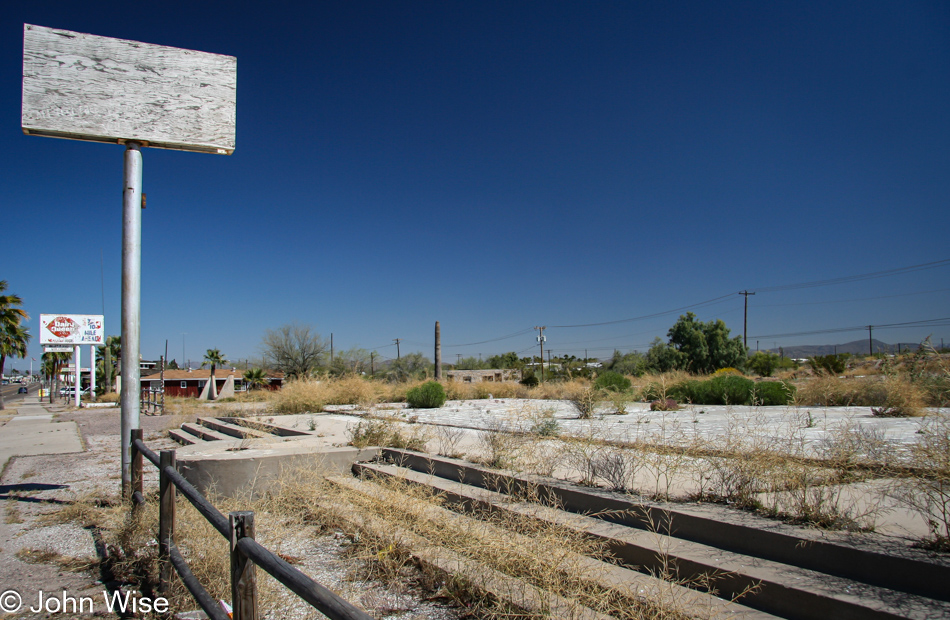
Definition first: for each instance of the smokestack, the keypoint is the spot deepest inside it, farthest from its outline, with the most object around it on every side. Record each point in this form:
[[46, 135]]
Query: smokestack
[[438, 352]]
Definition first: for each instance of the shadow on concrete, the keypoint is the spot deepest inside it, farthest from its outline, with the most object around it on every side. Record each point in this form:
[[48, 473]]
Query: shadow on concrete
[[12, 491]]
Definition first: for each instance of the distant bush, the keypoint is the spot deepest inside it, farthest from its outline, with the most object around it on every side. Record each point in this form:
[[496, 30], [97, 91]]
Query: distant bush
[[772, 393], [667, 404], [731, 389], [429, 395], [693, 391], [763, 363], [729, 370], [529, 379], [832, 364], [613, 381]]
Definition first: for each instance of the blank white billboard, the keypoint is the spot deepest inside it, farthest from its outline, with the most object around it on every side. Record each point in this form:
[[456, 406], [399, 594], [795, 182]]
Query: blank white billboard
[[86, 87]]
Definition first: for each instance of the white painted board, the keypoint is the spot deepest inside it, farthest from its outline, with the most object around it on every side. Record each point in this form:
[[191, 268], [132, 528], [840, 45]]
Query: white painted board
[[86, 87], [72, 329]]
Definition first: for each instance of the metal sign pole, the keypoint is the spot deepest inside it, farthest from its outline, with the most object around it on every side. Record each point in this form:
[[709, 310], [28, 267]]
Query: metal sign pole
[[78, 374], [131, 303], [92, 371]]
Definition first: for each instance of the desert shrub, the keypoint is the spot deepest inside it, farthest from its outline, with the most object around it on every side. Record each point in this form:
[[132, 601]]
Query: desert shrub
[[902, 399], [351, 390], [301, 396], [831, 364], [109, 397], [584, 398], [666, 404], [546, 427], [772, 393], [763, 363], [499, 389], [380, 432], [459, 390], [893, 395], [429, 395], [693, 391], [529, 380], [731, 389], [613, 381], [663, 385], [729, 370], [936, 390], [929, 495]]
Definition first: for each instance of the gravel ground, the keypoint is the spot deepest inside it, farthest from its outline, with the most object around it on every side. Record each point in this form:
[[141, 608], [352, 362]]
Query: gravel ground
[[33, 553]]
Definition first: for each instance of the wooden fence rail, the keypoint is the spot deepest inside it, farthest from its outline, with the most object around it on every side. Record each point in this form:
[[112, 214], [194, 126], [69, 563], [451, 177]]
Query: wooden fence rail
[[238, 529]]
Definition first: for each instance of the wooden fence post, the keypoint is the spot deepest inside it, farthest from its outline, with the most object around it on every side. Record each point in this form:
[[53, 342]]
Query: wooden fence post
[[136, 474], [243, 571], [166, 517]]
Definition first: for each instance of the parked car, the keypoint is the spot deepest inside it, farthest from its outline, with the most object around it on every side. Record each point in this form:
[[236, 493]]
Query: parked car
[[70, 392]]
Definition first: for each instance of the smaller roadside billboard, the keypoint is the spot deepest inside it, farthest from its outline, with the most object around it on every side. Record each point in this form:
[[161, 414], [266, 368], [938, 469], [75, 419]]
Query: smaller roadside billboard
[[72, 329]]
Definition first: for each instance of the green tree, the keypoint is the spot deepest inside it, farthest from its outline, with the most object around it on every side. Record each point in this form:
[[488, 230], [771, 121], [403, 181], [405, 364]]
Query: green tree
[[505, 360], [255, 378], [213, 358], [472, 363], [634, 363], [353, 361], [52, 365], [14, 336], [763, 363], [409, 366], [294, 349], [697, 347], [663, 357]]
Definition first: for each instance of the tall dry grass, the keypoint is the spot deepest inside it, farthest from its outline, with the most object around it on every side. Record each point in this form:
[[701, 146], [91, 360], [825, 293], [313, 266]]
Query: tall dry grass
[[891, 395]]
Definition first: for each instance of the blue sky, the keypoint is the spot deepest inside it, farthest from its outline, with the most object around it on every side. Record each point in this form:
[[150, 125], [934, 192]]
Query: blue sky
[[497, 166]]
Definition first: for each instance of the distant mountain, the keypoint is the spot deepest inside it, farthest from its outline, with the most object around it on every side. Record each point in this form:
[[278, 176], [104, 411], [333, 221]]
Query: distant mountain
[[855, 347]]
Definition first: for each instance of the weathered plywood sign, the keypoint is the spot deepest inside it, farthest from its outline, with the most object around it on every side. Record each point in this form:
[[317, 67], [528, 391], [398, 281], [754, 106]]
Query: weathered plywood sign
[[86, 87], [72, 329]]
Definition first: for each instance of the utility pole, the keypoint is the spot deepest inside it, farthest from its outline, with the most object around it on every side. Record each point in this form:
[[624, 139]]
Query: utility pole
[[541, 339], [870, 340], [372, 367], [458, 360], [397, 340], [438, 352], [745, 318]]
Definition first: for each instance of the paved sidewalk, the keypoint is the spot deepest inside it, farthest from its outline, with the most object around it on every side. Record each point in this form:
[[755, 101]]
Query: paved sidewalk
[[32, 431]]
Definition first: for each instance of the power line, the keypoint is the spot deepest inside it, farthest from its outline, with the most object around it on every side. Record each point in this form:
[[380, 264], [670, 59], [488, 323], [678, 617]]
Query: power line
[[469, 344], [906, 324], [650, 316], [854, 278], [849, 301]]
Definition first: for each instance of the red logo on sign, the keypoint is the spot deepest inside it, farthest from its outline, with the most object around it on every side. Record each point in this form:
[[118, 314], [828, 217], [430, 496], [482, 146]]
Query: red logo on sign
[[62, 326]]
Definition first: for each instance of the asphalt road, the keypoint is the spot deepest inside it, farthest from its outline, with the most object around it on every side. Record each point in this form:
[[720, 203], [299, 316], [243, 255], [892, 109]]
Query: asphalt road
[[10, 395]]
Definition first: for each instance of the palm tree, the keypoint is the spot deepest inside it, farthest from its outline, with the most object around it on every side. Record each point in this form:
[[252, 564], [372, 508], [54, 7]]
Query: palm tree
[[214, 358], [13, 336], [256, 378], [52, 364]]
